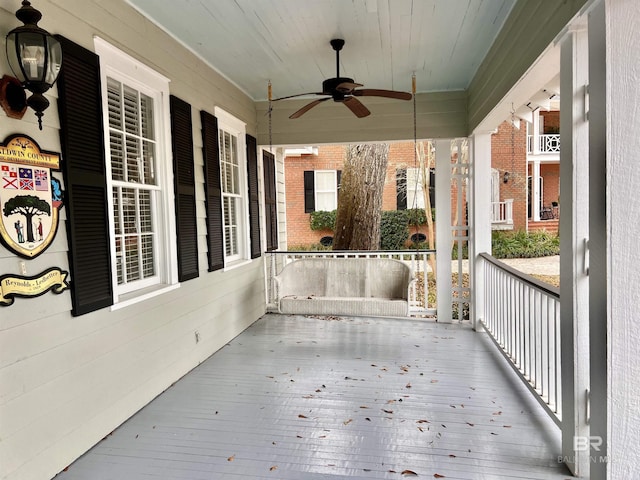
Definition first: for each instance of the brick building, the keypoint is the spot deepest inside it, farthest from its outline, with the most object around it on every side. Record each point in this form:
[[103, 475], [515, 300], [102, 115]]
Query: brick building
[[312, 176]]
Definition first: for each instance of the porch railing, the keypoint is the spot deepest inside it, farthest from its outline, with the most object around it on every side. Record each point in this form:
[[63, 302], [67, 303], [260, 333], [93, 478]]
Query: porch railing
[[418, 260], [547, 143], [522, 317], [502, 212]]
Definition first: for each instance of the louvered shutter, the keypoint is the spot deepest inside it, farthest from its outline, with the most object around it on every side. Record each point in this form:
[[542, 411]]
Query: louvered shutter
[[185, 191], [270, 200], [254, 198], [82, 145], [401, 189], [213, 190], [309, 192]]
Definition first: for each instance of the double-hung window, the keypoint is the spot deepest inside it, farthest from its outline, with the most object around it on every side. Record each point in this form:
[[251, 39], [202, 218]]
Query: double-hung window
[[138, 174], [233, 176], [326, 186], [415, 192]]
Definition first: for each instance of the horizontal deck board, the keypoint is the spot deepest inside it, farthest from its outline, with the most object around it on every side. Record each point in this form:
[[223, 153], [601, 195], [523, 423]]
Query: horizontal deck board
[[298, 397]]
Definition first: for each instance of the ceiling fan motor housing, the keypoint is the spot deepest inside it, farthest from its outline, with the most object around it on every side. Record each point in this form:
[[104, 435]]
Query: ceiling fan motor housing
[[330, 87]]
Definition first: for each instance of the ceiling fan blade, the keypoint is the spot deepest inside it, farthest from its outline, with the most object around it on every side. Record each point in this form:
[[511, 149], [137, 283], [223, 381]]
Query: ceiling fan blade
[[356, 107], [346, 87], [308, 107], [373, 92], [298, 95]]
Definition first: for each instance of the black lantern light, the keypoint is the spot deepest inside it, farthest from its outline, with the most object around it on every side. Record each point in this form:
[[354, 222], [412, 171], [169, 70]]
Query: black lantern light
[[34, 56]]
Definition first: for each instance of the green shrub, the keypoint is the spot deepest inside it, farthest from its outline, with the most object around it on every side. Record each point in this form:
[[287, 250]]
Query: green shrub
[[322, 220], [520, 244], [394, 229]]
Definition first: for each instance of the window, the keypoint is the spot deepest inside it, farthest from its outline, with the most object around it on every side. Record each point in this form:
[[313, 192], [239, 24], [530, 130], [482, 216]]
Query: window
[[321, 190], [415, 196], [139, 178], [233, 176], [326, 190]]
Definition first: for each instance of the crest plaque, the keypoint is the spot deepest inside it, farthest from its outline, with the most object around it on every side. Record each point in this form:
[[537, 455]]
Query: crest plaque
[[29, 196]]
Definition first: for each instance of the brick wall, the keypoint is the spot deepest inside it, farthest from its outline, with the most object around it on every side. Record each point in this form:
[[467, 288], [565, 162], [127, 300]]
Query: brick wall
[[511, 157]]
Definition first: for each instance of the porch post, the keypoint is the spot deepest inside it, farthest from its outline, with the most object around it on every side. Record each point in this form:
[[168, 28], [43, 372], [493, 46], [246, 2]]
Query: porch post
[[480, 220], [601, 66], [574, 232], [443, 230], [535, 189]]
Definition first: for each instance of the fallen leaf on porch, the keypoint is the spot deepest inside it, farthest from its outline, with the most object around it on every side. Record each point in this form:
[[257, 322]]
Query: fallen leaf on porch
[[408, 385], [363, 406], [493, 433], [434, 381], [497, 413], [367, 419], [307, 396], [347, 422], [437, 475], [390, 401], [274, 467], [409, 473], [506, 426], [470, 424], [452, 406], [298, 436], [421, 429], [374, 365], [422, 421], [231, 458], [302, 416], [318, 390], [451, 455], [387, 411], [270, 376]]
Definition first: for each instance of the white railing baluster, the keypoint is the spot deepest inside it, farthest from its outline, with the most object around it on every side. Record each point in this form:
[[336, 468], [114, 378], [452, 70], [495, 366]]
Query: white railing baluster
[[522, 317]]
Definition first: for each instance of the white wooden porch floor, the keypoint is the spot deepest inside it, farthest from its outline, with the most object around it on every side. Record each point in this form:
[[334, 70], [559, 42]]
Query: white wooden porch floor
[[308, 398]]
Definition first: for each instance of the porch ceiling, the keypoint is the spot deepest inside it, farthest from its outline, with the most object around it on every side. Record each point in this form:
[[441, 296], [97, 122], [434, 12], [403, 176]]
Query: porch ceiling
[[287, 41]]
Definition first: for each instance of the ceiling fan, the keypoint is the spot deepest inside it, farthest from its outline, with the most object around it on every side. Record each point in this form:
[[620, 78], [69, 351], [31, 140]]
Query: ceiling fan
[[345, 90]]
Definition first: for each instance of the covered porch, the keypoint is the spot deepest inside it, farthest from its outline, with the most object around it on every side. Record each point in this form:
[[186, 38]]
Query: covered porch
[[333, 397]]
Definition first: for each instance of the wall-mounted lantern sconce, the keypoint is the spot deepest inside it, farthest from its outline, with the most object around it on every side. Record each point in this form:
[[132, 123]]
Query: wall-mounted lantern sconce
[[505, 177], [34, 56]]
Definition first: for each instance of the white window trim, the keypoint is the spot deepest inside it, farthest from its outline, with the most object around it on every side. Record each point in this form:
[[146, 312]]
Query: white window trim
[[121, 66], [414, 193], [237, 127]]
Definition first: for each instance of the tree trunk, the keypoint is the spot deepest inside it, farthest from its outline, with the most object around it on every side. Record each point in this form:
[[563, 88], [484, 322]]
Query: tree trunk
[[360, 197]]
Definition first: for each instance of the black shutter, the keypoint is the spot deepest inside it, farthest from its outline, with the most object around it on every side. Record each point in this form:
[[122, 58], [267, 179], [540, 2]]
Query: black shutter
[[213, 191], [185, 188], [338, 180], [270, 200], [82, 145], [254, 198], [401, 189], [309, 192], [432, 187]]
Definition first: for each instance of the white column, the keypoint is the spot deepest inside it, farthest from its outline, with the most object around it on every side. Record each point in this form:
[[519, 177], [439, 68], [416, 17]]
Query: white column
[[574, 230], [443, 230], [480, 220], [599, 225], [535, 186], [535, 127]]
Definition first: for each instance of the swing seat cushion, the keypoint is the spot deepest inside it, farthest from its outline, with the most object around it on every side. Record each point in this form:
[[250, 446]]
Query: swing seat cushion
[[344, 286]]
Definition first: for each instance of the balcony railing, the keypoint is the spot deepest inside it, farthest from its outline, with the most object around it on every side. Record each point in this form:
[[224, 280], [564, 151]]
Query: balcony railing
[[522, 316], [502, 212], [547, 143], [418, 260]]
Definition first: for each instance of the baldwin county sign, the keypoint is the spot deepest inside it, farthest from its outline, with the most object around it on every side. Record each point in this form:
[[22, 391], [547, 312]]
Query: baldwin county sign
[[29, 196]]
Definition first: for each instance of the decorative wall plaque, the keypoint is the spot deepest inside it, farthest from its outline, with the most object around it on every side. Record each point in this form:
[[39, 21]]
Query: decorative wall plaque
[[18, 286], [29, 196]]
